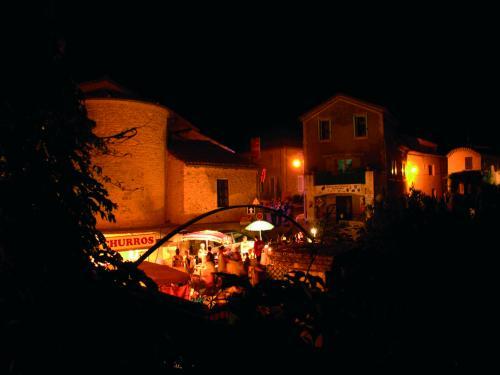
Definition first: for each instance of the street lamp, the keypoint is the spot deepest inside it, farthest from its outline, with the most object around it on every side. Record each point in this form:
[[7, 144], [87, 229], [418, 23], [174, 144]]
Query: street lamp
[[296, 163], [314, 231]]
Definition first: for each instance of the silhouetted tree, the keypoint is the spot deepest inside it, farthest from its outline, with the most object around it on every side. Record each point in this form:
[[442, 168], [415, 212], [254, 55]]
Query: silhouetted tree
[[62, 291]]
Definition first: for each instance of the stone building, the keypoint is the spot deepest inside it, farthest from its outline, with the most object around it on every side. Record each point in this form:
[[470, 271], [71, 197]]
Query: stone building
[[167, 173], [354, 154], [204, 176], [136, 167], [468, 167], [425, 168]]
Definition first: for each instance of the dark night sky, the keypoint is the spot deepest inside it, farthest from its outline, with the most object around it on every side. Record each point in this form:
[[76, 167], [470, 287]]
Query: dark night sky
[[237, 72]]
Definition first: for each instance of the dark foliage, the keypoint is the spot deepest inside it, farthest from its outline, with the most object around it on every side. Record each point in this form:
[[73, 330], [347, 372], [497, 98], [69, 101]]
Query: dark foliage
[[415, 293], [61, 309]]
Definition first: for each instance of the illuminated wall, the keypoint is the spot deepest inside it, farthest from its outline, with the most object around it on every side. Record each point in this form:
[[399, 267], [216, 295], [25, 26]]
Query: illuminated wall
[[283, 166], [426, 172], [456, 160], [138, 167], [192, 190]]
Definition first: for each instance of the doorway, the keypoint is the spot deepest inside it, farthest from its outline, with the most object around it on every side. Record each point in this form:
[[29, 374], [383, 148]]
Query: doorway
[[344, 207]]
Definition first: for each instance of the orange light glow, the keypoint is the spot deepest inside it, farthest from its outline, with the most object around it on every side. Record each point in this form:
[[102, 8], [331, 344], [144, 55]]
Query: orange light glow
[[296, 163], [411, 174]]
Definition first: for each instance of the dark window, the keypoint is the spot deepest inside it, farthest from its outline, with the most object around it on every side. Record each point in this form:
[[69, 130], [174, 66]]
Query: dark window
[[430, 168], [360, 127], [468, 162], [324, 130], [222, 193]]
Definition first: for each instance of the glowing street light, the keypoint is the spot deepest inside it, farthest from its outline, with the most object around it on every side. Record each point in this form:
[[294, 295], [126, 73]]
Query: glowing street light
[[411, 174], [296, 163], [314, 231]]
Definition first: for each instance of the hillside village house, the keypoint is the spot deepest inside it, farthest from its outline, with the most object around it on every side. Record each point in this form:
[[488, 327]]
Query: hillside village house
[[167, 173], [469, 167], [353, 154]]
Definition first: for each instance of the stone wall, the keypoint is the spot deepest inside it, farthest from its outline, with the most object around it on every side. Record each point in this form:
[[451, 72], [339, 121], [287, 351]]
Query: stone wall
[[193, 191], [285, 261], [138, 166]]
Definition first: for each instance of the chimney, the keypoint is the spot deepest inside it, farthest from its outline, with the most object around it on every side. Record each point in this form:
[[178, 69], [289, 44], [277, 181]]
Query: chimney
[[255, 148]]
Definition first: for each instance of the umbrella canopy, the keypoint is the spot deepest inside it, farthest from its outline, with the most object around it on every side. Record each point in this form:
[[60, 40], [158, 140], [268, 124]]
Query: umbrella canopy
[[207, 235], [164, 275], [259, 225]]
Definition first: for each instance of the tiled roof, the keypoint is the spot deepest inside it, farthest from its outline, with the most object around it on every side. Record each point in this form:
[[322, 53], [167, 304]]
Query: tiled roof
[[418, 144], [106, 88], [343, 97], [206, 153]]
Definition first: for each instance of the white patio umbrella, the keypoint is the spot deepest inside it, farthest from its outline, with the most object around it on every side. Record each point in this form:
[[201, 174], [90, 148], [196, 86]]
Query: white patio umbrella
[[259, 225]]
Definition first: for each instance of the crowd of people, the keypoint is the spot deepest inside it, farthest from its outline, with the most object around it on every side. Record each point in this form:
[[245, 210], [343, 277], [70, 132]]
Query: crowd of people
[[284, 207], [246, 258]]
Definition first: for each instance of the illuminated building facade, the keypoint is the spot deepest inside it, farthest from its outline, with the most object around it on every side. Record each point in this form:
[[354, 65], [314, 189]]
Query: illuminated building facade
[[167, 173], [354, 155], [281, 169], [469, 167]]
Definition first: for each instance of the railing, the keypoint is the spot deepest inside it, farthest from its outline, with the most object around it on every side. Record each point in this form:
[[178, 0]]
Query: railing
[[349, 177]]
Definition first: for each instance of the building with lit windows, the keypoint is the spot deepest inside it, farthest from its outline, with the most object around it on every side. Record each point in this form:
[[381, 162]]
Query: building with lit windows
[[354, 155]]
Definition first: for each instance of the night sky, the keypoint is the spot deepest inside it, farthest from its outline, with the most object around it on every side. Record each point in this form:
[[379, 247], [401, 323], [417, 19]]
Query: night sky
[[248, 70]]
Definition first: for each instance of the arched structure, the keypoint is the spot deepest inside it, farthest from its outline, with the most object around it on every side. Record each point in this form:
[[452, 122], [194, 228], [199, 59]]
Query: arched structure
[[200, 217]]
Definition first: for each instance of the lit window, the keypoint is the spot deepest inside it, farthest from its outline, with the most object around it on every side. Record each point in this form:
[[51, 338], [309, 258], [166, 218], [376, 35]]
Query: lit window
[[344, 165], [461, 188], [394, 167], [324, 130], [360, 127]]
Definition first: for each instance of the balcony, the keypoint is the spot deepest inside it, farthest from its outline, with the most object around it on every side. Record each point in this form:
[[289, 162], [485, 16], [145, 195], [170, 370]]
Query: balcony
[[356, 176]]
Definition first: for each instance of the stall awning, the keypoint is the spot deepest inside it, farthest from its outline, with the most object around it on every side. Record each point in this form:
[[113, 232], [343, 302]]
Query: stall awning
[[207, 235], [164, 275]]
